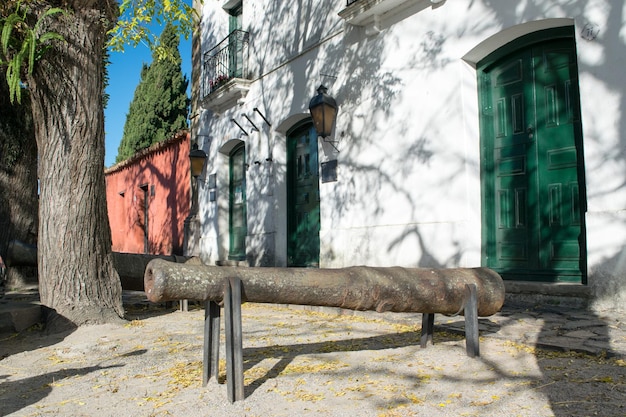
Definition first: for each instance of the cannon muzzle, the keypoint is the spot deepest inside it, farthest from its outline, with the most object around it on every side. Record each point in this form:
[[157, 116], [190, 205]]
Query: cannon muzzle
[[130, 266], [21, 254]]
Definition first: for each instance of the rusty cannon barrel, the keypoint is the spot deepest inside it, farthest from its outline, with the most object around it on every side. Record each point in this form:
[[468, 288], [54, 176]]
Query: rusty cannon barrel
[[21, 254], [378, 289], [130, 266]]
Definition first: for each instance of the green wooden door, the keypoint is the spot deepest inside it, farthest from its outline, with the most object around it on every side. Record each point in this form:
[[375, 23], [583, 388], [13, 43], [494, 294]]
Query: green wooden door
[[531, 163], [235, 44], [303, 219], [238, 224]]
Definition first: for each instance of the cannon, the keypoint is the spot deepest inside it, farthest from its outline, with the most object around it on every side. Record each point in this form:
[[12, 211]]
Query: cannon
[[21, 254], [470, 291], [362, 288], [130, 266]]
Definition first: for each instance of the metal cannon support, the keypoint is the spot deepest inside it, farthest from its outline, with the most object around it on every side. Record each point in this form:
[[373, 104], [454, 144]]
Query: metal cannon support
[[470, 291]]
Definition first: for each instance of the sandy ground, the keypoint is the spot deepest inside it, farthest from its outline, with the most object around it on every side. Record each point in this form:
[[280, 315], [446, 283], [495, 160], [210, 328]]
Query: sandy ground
[[297, 363]]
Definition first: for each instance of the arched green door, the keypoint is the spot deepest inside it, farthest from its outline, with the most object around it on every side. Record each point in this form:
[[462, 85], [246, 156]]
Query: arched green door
[[237, 204], [303, 197], [533, 188]]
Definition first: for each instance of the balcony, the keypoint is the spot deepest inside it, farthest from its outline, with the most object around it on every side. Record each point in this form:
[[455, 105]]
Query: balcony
[[369, 13], [225, 72]]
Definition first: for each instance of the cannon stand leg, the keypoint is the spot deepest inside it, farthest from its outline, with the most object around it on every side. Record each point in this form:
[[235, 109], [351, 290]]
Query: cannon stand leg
[[211, 352], [428, 322], [471, 321], [470, 311], [234, 349]]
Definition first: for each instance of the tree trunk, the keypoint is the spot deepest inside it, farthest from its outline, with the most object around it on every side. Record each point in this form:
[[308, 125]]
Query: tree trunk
[[18, 181], [76, 273], [418, 290]]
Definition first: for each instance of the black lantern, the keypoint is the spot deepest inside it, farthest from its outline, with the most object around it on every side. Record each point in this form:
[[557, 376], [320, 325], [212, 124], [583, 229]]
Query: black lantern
[[323, 110], [197, 158]]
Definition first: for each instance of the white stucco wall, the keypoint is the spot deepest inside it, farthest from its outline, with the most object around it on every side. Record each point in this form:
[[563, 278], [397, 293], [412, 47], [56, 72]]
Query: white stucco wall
[[408, 188]]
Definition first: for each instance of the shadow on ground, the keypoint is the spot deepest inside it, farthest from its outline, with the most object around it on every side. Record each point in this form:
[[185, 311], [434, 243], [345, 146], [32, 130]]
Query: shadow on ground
[[573, 351], [287, 353], [53, 328], [25, 392]]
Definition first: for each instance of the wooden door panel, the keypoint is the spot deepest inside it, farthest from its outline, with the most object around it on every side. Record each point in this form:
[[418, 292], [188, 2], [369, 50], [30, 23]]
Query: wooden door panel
[[238, 224], [303, 198], [531, 163], [558, 158]]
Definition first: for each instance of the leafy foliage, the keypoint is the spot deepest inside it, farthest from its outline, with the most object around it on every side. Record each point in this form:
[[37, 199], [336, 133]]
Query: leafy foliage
[[160, 104], [136, 17], [22, 45]]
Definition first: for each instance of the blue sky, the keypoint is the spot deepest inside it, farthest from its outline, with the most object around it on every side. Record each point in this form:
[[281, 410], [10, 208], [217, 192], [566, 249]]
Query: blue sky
[[124, 75]]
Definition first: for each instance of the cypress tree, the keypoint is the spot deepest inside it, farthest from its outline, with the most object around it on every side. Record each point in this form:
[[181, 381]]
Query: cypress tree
[[160, 103]]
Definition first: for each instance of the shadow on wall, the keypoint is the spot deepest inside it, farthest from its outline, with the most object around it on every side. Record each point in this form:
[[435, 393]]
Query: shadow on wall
[[568, 392]]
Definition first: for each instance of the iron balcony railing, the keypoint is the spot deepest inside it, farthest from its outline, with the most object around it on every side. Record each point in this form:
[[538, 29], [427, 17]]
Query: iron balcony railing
[[227, 60]]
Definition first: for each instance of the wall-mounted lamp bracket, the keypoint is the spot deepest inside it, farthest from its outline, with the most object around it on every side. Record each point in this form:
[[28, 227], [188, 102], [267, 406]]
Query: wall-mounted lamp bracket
[[253, 125], [262, 117], [332, 143], [239, 126]]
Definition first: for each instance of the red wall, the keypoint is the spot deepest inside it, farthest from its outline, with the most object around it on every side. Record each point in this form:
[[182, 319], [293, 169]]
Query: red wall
[[162, 170]]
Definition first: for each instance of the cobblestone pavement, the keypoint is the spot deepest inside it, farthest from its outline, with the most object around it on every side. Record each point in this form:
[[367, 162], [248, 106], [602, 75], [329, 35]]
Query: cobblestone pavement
[[552, 327]]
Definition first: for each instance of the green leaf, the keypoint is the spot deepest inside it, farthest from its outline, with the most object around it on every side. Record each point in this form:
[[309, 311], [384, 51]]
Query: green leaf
[[49, 36], [13, 78], [135, 17], [31, 52], [7, 30], [23, 47]]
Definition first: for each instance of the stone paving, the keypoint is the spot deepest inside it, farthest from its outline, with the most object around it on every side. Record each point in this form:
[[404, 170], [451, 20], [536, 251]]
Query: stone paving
[[552, 327], [555, 327]]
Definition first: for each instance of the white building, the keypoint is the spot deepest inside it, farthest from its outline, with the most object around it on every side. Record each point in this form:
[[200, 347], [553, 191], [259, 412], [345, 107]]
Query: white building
[[468, 133]]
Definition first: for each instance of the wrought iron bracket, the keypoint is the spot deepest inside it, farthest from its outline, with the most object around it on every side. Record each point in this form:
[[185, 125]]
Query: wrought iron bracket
[[332, 143], [250, 121], [262, 116], [239, 126]]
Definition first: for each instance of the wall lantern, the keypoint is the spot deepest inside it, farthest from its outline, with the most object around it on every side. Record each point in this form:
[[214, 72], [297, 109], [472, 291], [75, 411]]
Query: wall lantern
[[197, 158], [323, 110]]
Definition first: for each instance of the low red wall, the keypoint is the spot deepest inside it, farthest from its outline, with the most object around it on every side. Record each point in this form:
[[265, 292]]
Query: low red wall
[[161, 175]]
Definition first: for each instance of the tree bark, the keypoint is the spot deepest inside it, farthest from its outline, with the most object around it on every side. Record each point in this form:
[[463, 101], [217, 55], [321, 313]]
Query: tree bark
[[355, 288], [18, 181], [76, 273]]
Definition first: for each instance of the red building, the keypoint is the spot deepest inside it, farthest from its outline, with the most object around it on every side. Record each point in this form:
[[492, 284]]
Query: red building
[[148, 198]]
